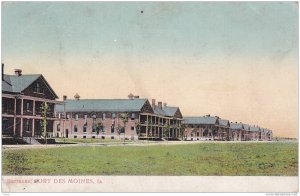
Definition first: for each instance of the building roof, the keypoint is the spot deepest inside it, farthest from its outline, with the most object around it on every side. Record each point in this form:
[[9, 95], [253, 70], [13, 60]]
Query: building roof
[[254, 128], [102, 105], [159, 111], [236, 126], [6, 84], [223, 122], [207, 120], [170, 111], [246, 127], [17, 84]]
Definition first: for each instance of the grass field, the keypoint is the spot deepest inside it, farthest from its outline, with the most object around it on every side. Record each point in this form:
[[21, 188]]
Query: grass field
[[229, 159]]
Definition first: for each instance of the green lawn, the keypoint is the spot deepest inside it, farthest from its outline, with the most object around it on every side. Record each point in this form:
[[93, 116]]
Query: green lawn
[[233, 159]]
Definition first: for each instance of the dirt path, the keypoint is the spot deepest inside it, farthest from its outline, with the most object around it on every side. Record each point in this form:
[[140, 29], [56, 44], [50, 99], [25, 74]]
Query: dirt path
[[138, 143]]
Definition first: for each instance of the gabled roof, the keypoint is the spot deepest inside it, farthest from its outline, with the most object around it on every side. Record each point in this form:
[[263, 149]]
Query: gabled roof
[[236, 126], [20, 83], [17, 84], [102, 105], [206, 120], [170, 111], [223, 122]]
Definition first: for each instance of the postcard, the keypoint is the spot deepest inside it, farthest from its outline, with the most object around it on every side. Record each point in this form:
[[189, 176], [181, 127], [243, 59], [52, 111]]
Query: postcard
[[150, 97]]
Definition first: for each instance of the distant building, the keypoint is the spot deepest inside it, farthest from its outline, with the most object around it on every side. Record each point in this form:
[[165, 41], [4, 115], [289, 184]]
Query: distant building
[[225, 133], [201, 128], [94, 118], [214, 128], [22, 98]]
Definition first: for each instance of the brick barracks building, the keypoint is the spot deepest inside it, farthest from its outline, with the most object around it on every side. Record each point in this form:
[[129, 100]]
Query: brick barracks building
[[93, 118], [22, 98], [214, 128]]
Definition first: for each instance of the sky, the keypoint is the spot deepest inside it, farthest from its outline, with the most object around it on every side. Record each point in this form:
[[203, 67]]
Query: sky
[[235, 60]]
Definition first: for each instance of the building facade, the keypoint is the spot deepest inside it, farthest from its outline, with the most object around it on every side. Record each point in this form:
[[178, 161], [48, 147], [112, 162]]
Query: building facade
[[22, 98], [201, 128], [129, 119], [214, 128]]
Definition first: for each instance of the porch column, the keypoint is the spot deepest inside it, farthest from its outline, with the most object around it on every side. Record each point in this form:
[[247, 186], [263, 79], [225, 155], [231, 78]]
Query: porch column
[[147, 125], [139, 126], [15, 113], [33, 108], [33, 127], [169, 126], [155, 121], [21, 130]]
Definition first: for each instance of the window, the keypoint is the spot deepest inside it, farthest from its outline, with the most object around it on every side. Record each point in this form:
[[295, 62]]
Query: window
[[93, 137], [94, 116], [112, 128], [198, 134], [132, 116], [84, 127], [75, 136], [58, 127], [59, 115], [113, 115], [84, 137], [132, 128], [68, 116], [85, 116], [76, 116], [27, 106], [103, 116], [75, 128], [112, 137], [37, 88], [94, 125], [103, 137], [27, 126]]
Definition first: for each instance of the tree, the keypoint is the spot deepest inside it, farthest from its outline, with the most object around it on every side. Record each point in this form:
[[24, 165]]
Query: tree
[[167, 130], [98, 127], [124, 119], [44, 110], [181, 131]]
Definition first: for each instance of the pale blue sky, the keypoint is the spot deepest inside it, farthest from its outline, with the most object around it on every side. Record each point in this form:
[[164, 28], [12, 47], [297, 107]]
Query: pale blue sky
[[237, 60], [252, 30]]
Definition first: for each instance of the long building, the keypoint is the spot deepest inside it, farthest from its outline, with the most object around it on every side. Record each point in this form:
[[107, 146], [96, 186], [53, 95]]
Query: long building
[[214, 128], [22, 98], [93, 118]]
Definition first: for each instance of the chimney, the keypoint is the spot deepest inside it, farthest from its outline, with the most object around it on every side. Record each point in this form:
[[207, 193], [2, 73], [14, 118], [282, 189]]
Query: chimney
[[2, 71], [18, 72], [153, 103], [130, 96], [76, 96], [64, 97], [165, 104], [159, 104]]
